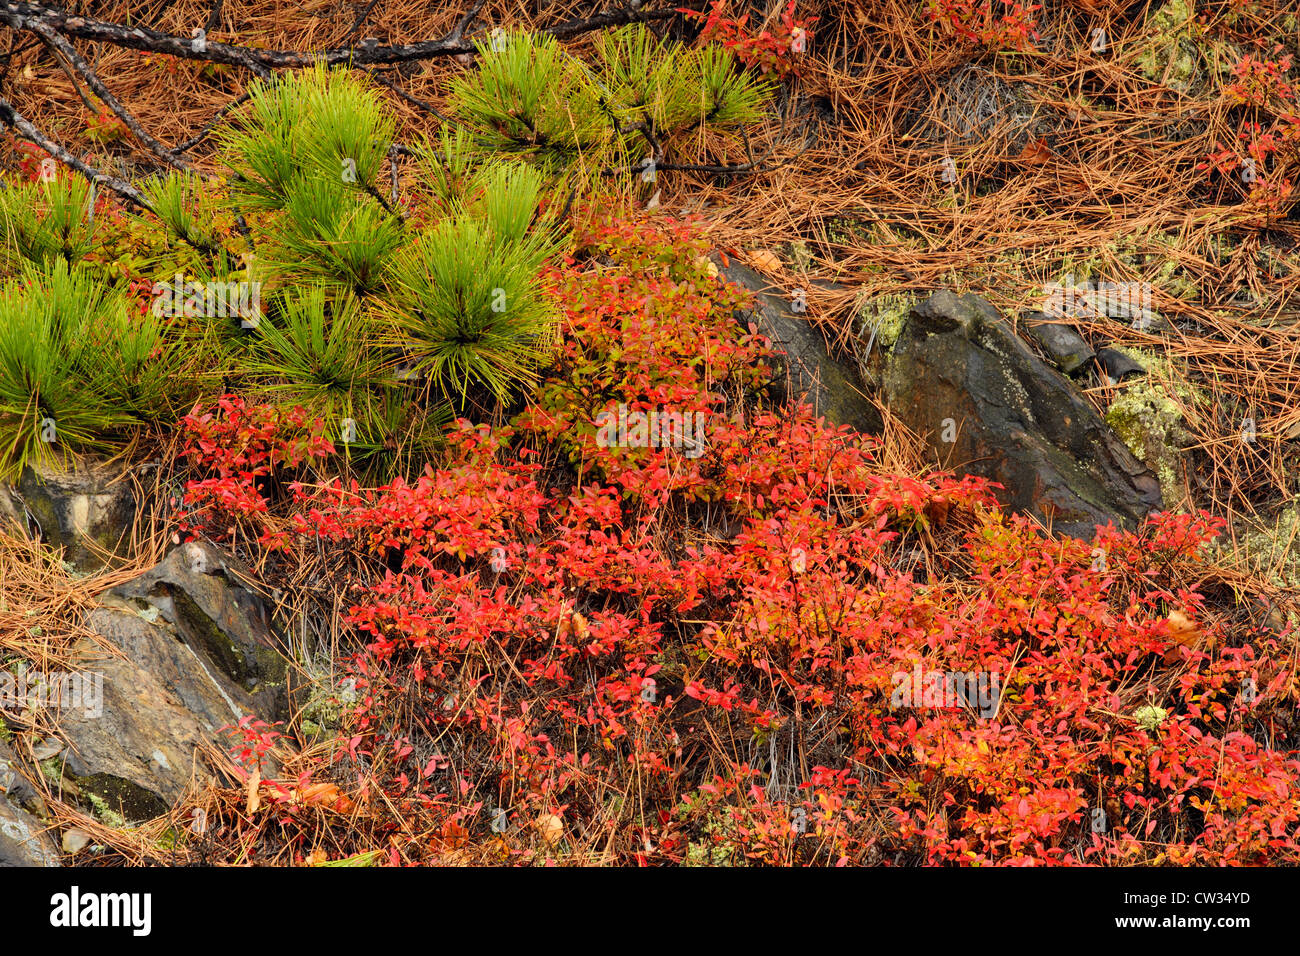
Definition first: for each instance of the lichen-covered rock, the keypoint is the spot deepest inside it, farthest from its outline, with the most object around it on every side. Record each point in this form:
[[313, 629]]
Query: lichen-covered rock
[[988, 406], [1271, 548], [196, 654], [326, 701], [1180, 54], [87, 511], [23, 838], [1148, 415], [1173, 57], [880, 320], [14, 786]]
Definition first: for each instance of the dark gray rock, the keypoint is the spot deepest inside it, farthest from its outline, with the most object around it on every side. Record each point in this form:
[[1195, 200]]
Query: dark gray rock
[[988, 406], [14, 786], [196, 653], [137, 753], [213, 603], [23, 838], [87, 511], [1063, 345], [829, 383], [1118, 365]]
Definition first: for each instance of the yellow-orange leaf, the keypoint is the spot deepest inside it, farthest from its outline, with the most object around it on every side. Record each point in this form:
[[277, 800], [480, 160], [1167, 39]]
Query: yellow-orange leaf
[[254, 791], [319, 793], [550, 827]]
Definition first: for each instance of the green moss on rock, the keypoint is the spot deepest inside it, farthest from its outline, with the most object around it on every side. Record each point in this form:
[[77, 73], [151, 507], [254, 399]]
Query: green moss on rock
[[1148, 416], [885, 316], [1273, 550], [104, 812], [326, 705], [120, 796], [1179, 54]]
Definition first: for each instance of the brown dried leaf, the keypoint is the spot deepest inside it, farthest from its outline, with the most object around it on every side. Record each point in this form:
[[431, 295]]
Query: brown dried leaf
[[1035, 153]]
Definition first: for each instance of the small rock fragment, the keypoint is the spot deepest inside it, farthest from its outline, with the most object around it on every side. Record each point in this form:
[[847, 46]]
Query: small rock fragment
[[1063, 345], [74, 840], [1117, 365]]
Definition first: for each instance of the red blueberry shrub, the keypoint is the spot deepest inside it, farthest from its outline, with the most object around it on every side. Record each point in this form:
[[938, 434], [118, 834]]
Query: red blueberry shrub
[[775, 49], [1261, 163], [771, 652], [995, 24]]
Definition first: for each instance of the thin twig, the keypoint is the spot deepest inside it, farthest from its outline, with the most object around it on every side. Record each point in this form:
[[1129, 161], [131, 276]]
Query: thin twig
[[11, 117], [65, 48], [211, 124]]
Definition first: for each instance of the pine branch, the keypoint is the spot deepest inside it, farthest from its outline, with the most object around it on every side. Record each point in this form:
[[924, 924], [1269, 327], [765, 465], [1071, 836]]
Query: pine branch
[[27, 17]]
